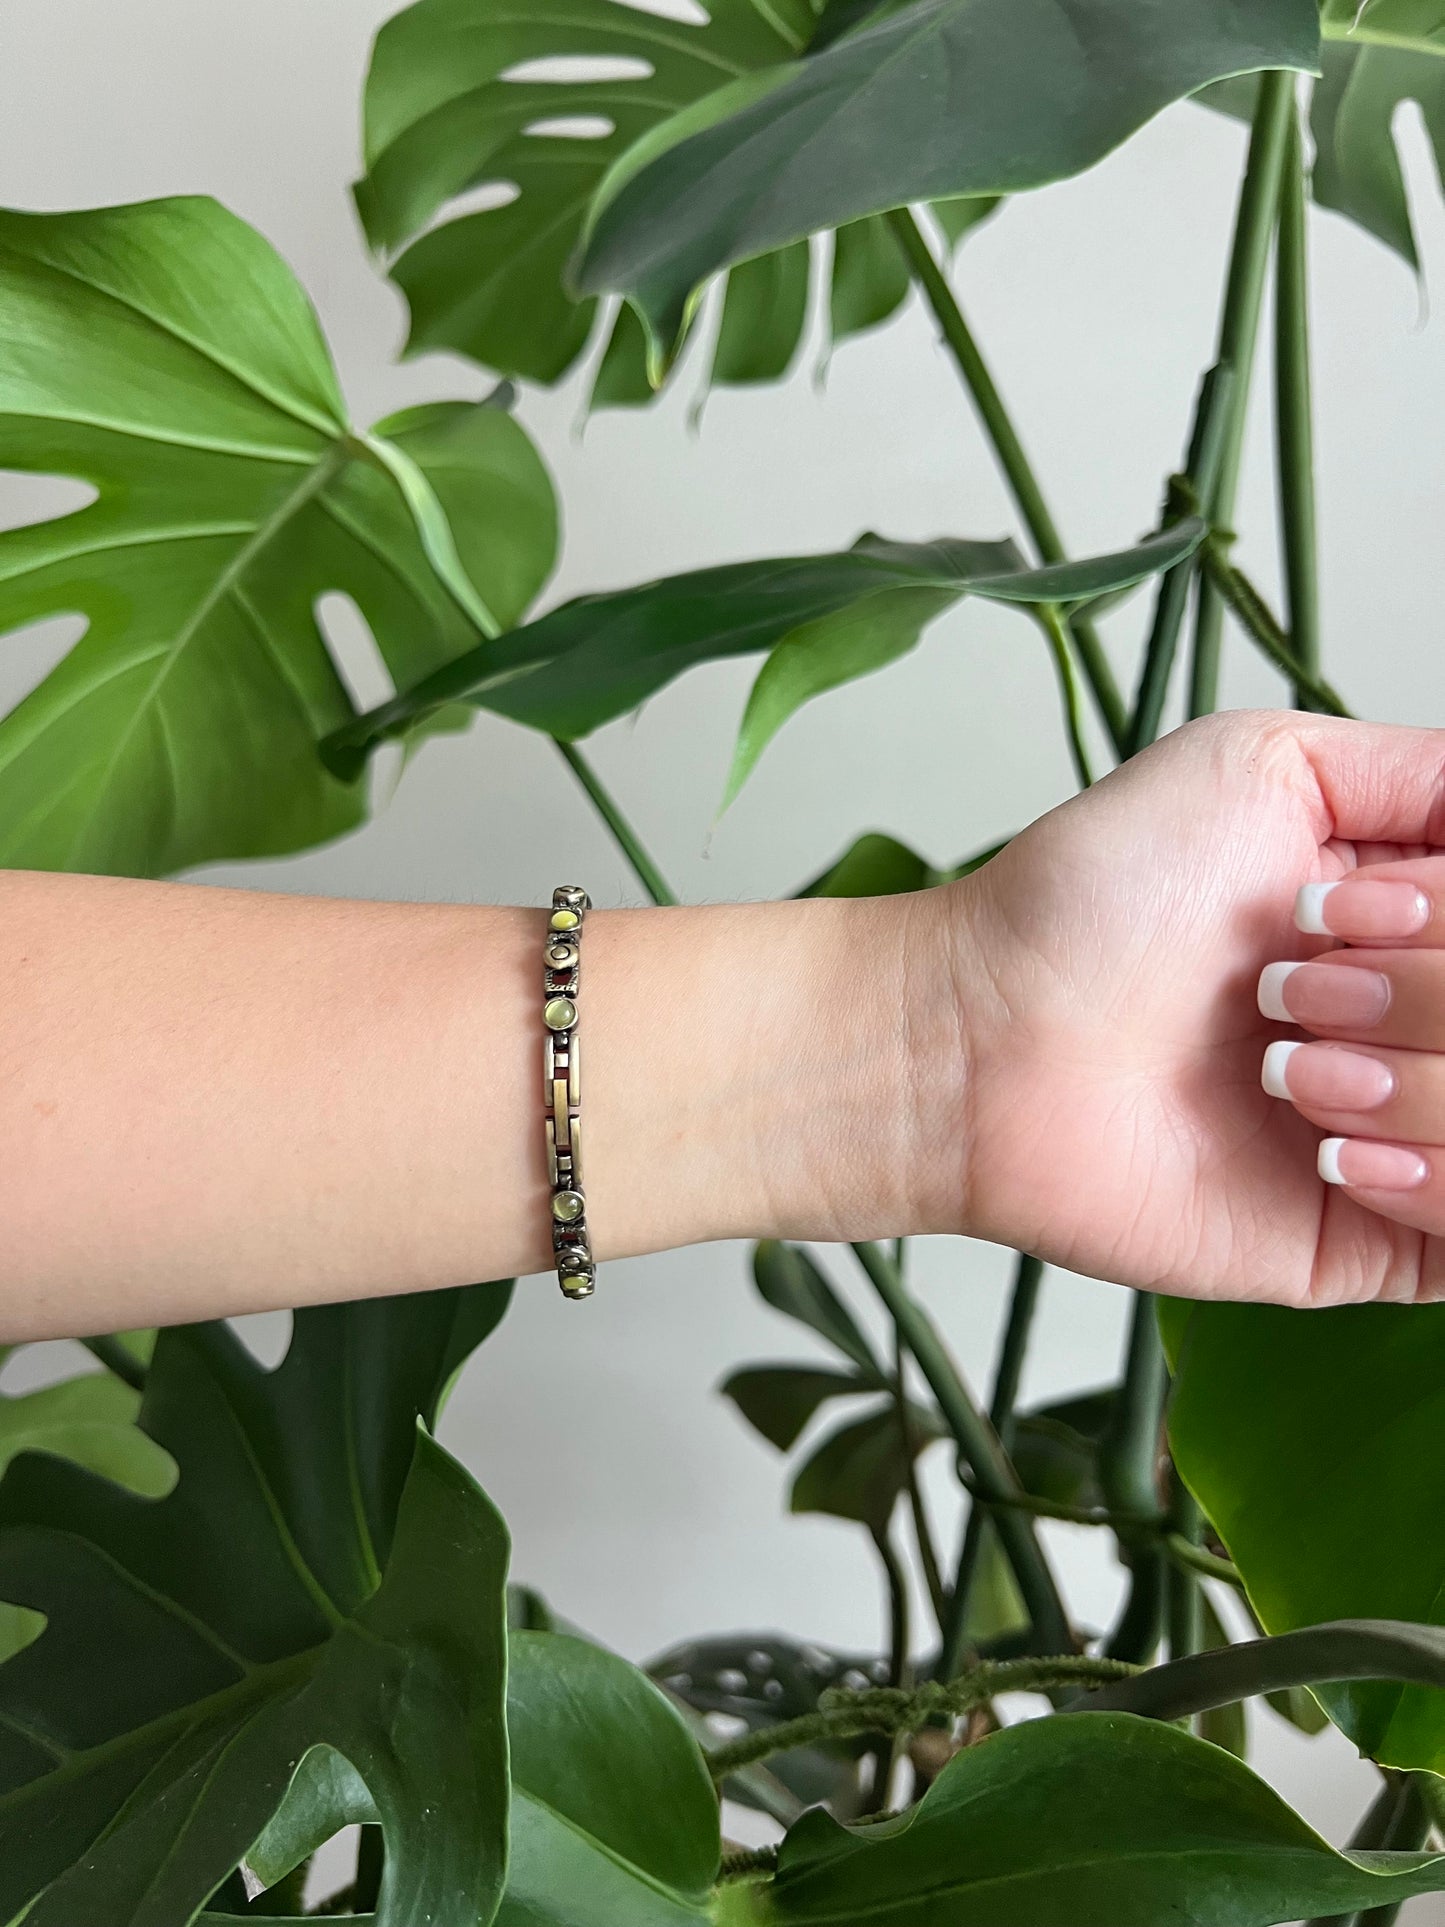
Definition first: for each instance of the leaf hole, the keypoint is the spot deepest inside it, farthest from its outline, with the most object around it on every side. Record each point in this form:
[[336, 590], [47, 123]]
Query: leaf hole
[[573, 127], [27, 500], [354, 650], [687, 13], [573, 70], [20, 1626], [485, 198], [32, 652], [265, 1334]]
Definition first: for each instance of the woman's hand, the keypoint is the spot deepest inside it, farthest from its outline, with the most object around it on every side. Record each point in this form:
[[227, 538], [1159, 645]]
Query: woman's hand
[[1109, 967]]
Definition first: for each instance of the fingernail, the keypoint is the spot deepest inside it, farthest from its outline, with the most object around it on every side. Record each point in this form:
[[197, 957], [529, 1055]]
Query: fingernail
[[1326, 1077], [1368, 1166], [1361, 907], [1336, 995]]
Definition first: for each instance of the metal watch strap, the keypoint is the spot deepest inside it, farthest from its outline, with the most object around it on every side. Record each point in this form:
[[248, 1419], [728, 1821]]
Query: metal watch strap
[[561, 977]]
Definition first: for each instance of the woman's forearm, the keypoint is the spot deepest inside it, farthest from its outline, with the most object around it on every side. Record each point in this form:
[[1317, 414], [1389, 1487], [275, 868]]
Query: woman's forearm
[[216, 1101]]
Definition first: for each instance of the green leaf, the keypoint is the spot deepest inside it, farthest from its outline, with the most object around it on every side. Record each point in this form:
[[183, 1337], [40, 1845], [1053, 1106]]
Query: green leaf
[[1055, 1449], [1311, 1440], [598, 657], [870, 279], [622, 380], [764, 308], [456, 100], [447, 110], [789, 1281], [321, 1575], [928, 101], [1357, 168], [92, 1422], [1414, 25], [1097, 1820], [614, 1818], [874, 866], [779, 1400], [884, 623], [860, 1469], [164, 354], [1298, 1706], [817, 656]]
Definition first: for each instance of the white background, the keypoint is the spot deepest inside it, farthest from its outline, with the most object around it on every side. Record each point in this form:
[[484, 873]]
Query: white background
[[639, 1503]]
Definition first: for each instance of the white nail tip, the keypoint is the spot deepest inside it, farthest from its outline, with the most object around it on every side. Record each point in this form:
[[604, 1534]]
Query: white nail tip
[[1309, 909], [1271, 989], [1329, 1160], [1275, 1059]]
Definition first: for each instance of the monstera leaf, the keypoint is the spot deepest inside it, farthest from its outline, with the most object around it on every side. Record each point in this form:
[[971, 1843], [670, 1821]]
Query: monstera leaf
[[164, 354], [537, 102], [922, 101], [825, 619], [1094, 1819], [1311, 1440], [321, 1576], [614, 1819], [1385, 53]]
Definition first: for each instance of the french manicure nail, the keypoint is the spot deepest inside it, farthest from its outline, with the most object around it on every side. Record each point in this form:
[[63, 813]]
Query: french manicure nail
[[1367, 1166], [1326, 1077], [1338, 996], [1272, 1074], [1361, 907]]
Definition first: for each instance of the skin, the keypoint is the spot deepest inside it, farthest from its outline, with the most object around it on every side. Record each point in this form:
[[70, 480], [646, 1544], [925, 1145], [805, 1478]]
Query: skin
[[220, 1101]]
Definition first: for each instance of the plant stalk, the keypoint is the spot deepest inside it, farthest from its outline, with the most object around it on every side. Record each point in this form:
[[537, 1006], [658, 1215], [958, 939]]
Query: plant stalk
[[1009, 450], [116, 1358], [979, 1446], [922, 1531], [1184, 1614], [1275, 113], [881, 1709], [1023, 1303], [1184, 1552], [1057, 636], [623, 834], [1129, 1475], [1294, 418]]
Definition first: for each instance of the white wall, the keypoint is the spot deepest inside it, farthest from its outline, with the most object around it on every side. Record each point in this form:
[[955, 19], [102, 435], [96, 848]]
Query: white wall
[[638, 1502]]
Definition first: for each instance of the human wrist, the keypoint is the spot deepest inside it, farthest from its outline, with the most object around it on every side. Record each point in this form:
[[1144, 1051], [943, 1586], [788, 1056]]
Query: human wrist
[[788, 1069]]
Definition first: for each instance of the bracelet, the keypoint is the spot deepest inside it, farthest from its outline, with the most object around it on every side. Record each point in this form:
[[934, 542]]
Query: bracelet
[[561, 974]]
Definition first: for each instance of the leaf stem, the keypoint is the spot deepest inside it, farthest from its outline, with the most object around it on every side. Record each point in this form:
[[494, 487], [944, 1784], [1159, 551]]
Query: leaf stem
[[623, 834], [1023, 1303], [882, 1709], [1294, 425], [1275, 113], [1184, 1610], [898, 1628], [1009, 450], [1052, 624], [979, 1447], [1186, 1552], [1129, 1475], [922, 1530], [117, 1358]]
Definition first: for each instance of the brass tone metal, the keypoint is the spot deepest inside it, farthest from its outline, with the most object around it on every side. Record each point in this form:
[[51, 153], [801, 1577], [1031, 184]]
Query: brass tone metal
[[562, 1090]]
